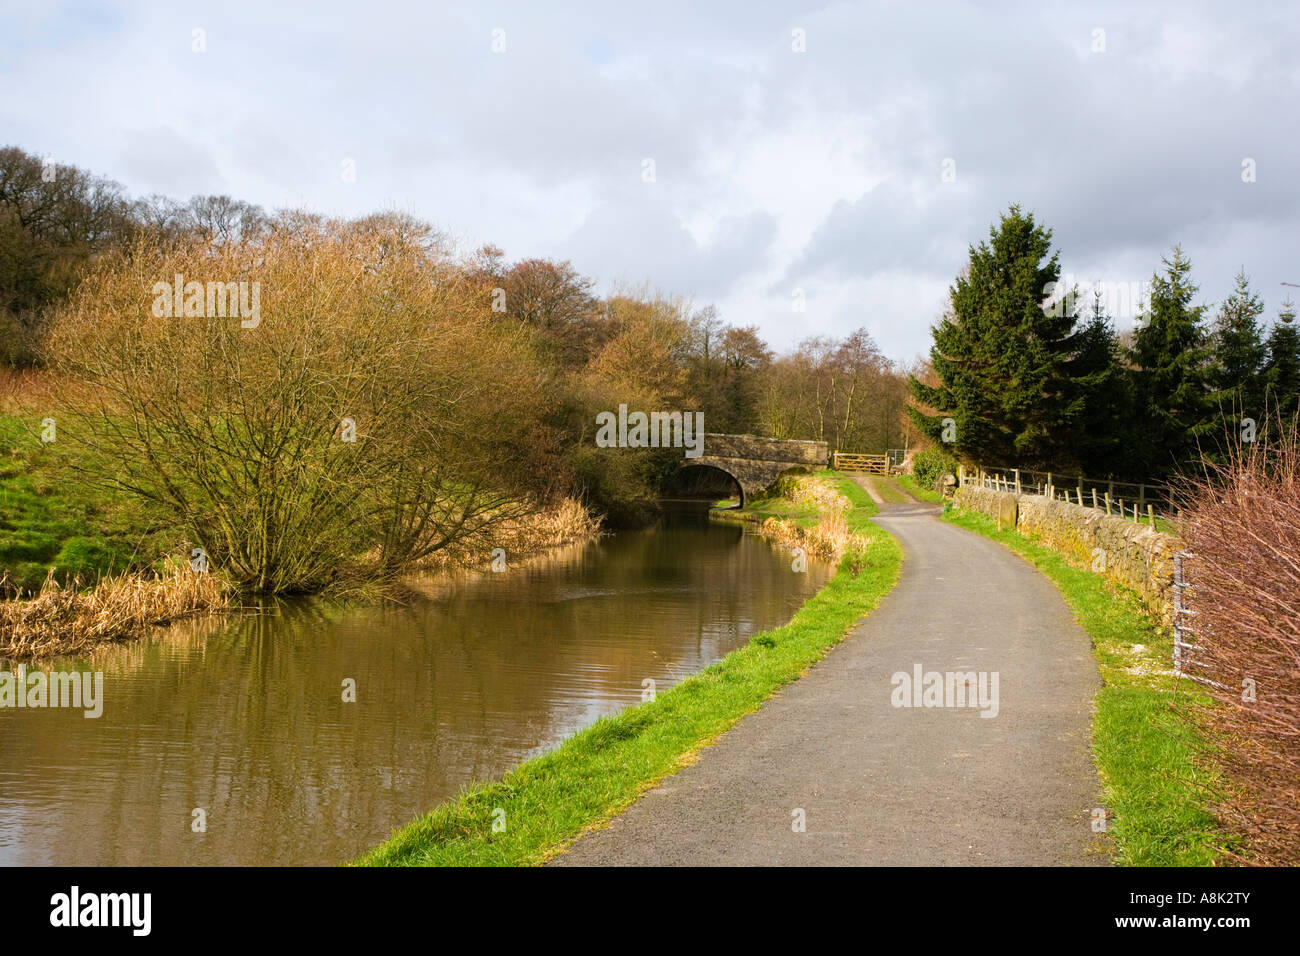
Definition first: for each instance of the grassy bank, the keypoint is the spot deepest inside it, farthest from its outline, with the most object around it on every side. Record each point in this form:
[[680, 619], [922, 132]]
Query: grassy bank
[[1153, 783], [53, 518], [546, 803]]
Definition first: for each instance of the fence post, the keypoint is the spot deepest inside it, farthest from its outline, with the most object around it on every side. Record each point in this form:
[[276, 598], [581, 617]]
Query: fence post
[[1179, 584], [1151, 516], [1108, 503], [1048, 491], [1017, 471], [1094, 496], [1142, 495]]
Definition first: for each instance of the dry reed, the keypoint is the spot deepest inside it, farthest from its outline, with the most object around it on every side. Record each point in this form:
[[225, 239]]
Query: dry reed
[[69, 620], [830, 536], [552, 526]]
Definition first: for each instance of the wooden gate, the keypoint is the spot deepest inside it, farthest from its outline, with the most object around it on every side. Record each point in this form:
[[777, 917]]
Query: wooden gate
[[872, 464]]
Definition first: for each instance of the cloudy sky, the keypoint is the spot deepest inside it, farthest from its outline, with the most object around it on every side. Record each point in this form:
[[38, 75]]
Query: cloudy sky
[[845, 152]]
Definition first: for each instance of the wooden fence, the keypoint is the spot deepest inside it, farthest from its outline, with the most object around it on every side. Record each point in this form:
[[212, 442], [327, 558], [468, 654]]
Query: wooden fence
[[1125, 499]]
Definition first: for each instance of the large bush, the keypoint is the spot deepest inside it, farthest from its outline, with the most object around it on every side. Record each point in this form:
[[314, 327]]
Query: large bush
[[930, 465], [375, 412]]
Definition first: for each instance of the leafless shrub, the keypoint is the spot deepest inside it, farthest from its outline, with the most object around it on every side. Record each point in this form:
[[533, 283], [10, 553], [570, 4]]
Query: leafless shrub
[[376, 412], [1241, 520]]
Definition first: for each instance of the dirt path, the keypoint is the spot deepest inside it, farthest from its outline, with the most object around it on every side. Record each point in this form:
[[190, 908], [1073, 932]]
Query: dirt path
[[885, 785], [869, 488]]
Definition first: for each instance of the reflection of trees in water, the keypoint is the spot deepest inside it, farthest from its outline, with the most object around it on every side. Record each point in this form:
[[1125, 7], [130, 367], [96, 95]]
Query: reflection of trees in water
[[242, 715]]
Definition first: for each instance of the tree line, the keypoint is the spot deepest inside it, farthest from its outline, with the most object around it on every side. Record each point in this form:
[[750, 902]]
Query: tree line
[[515, 360], [1025, 374]]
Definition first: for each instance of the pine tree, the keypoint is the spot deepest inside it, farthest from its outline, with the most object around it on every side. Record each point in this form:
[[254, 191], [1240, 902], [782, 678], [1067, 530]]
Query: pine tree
[[1172, 409], [1099, 409], [998, 352], [1239, 353], [1282, 367]]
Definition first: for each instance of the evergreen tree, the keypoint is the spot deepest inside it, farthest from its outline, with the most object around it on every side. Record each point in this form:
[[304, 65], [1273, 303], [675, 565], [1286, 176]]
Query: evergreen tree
[[1282, 367], [998, 353], [1099, 410], [1239, 354], [1172, 408]]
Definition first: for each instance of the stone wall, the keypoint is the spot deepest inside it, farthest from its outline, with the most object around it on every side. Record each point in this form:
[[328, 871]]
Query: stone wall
[[1137, 557], [756, 462], [812, 454]]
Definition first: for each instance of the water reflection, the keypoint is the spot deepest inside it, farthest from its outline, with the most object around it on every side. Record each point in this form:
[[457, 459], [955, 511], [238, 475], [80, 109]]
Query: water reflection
[[244, 718]]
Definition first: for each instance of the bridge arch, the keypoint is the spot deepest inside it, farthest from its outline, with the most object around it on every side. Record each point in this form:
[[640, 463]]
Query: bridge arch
[[755, 463], [697, 466]]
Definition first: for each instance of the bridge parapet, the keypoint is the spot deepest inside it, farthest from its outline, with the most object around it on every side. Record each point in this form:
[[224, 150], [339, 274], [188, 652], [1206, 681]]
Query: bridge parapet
[[813, 454]]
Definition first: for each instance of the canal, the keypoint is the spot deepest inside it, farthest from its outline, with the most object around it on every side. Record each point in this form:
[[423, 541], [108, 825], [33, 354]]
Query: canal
[[240, 722]]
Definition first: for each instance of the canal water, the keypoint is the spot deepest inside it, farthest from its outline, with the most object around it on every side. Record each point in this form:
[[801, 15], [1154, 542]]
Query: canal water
[[242, 718]]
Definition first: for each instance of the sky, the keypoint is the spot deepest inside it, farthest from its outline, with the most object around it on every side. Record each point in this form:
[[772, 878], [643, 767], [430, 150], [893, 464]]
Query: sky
[[807, 168]]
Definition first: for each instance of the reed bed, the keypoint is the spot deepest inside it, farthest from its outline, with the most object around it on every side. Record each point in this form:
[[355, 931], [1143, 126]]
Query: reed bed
[[567, 520], [830, 536], [70, 620]]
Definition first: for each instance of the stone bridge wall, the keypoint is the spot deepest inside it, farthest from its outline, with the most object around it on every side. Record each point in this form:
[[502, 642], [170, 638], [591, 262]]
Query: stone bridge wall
[[811, 454], [1138, 557], [755, 462]]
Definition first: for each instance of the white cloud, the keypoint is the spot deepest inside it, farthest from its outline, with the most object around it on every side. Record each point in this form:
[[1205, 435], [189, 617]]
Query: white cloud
[[775, 169]]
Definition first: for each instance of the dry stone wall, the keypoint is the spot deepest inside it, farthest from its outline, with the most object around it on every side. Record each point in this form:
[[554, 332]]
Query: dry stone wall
[[1136, 556]]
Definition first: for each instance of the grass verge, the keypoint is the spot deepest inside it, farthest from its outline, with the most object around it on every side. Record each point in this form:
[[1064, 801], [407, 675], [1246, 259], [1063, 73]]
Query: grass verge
[[548, 802], [915, 489], [887, 489], [1154, 787]]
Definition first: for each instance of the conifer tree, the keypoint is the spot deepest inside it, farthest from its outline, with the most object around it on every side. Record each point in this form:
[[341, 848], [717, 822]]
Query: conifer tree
[[1099, 409], [1282, 367], [998, 353], [1172, 409], [1239, 354]]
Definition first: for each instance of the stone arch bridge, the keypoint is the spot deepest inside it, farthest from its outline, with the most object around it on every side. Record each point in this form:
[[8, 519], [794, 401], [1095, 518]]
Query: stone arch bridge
[[755, 463]]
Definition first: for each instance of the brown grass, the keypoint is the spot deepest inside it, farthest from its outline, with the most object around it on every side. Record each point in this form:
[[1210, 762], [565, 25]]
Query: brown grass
[[62, 621], [1242, 524], [23, 389], [830, 536]]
